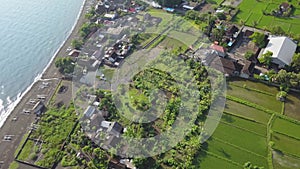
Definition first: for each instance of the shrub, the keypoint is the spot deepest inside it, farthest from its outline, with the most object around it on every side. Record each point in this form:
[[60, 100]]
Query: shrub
[[33, 156]]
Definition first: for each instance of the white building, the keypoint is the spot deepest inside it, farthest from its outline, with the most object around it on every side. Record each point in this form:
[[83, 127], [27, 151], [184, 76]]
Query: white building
[[283, 49]]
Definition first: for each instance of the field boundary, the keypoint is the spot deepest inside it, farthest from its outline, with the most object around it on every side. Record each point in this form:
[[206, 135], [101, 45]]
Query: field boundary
[[270, 154]]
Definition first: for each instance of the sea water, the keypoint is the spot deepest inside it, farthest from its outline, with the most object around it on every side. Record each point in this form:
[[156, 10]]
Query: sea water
[[31, 32]]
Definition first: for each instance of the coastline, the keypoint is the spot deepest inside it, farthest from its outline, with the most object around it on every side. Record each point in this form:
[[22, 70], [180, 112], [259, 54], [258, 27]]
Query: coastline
[[50, 73]]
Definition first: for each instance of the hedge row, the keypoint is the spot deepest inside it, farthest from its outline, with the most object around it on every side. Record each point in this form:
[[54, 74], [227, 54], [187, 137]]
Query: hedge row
[[288, 119], [156, 42]]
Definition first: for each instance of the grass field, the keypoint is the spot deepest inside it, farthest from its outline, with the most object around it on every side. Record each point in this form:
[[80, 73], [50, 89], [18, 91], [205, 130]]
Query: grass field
[[108, 72], [235, 153], [264, 100], [256, 85], [179, 28], [286, 144], [26, 151], [210, 161], [252, 11], [186, 38], [249, 125], [245, 128], [283, 126], [292, 106], [171, 43], [166, 20], [248, 112], [242, 138]]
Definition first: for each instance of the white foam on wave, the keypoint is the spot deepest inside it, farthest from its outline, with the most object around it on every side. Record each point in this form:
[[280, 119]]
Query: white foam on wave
[[1, 105], [5, 110], [10, 105]]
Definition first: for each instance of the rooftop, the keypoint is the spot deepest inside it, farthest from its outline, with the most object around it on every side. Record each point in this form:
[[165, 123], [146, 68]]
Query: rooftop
[[218, 48], [283, 48]]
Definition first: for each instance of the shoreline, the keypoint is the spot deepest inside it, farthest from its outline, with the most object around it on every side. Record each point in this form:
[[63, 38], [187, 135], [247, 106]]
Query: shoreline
[[10, 107], [50, 73]]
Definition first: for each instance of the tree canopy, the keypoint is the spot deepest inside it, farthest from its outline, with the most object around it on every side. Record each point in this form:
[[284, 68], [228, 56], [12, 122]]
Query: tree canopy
[[65, 64], [258, 38], [77, 44], [266, 58], [296, 62], [248, 54]]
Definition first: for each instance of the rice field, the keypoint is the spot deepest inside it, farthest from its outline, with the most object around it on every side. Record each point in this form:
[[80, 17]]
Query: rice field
[[252, 11]]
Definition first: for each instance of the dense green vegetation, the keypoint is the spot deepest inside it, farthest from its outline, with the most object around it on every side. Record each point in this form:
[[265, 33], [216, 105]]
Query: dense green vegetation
[[46, 142], [91, 156], [65, 64]]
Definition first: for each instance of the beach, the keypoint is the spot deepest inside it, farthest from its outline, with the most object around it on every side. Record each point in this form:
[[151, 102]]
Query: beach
[[18, 122]]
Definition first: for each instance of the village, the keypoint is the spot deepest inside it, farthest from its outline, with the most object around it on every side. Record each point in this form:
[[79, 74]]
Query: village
[[116, 30]]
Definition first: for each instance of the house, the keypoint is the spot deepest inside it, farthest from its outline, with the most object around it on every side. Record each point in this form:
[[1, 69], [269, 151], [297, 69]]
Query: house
[[232, 33], [221, 51], [226, 66], [285, 7], [248, 69], [74, 53], [113, 164], [110, 142], [89, 111], [191, 5], [38, 108], [206, 56], [115, 129], [155, 5], [110, 16], [113, 55], [283, 49], [129, 163]]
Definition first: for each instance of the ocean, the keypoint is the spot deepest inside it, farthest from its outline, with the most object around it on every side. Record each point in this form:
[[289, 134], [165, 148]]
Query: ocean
[[31, 32]]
